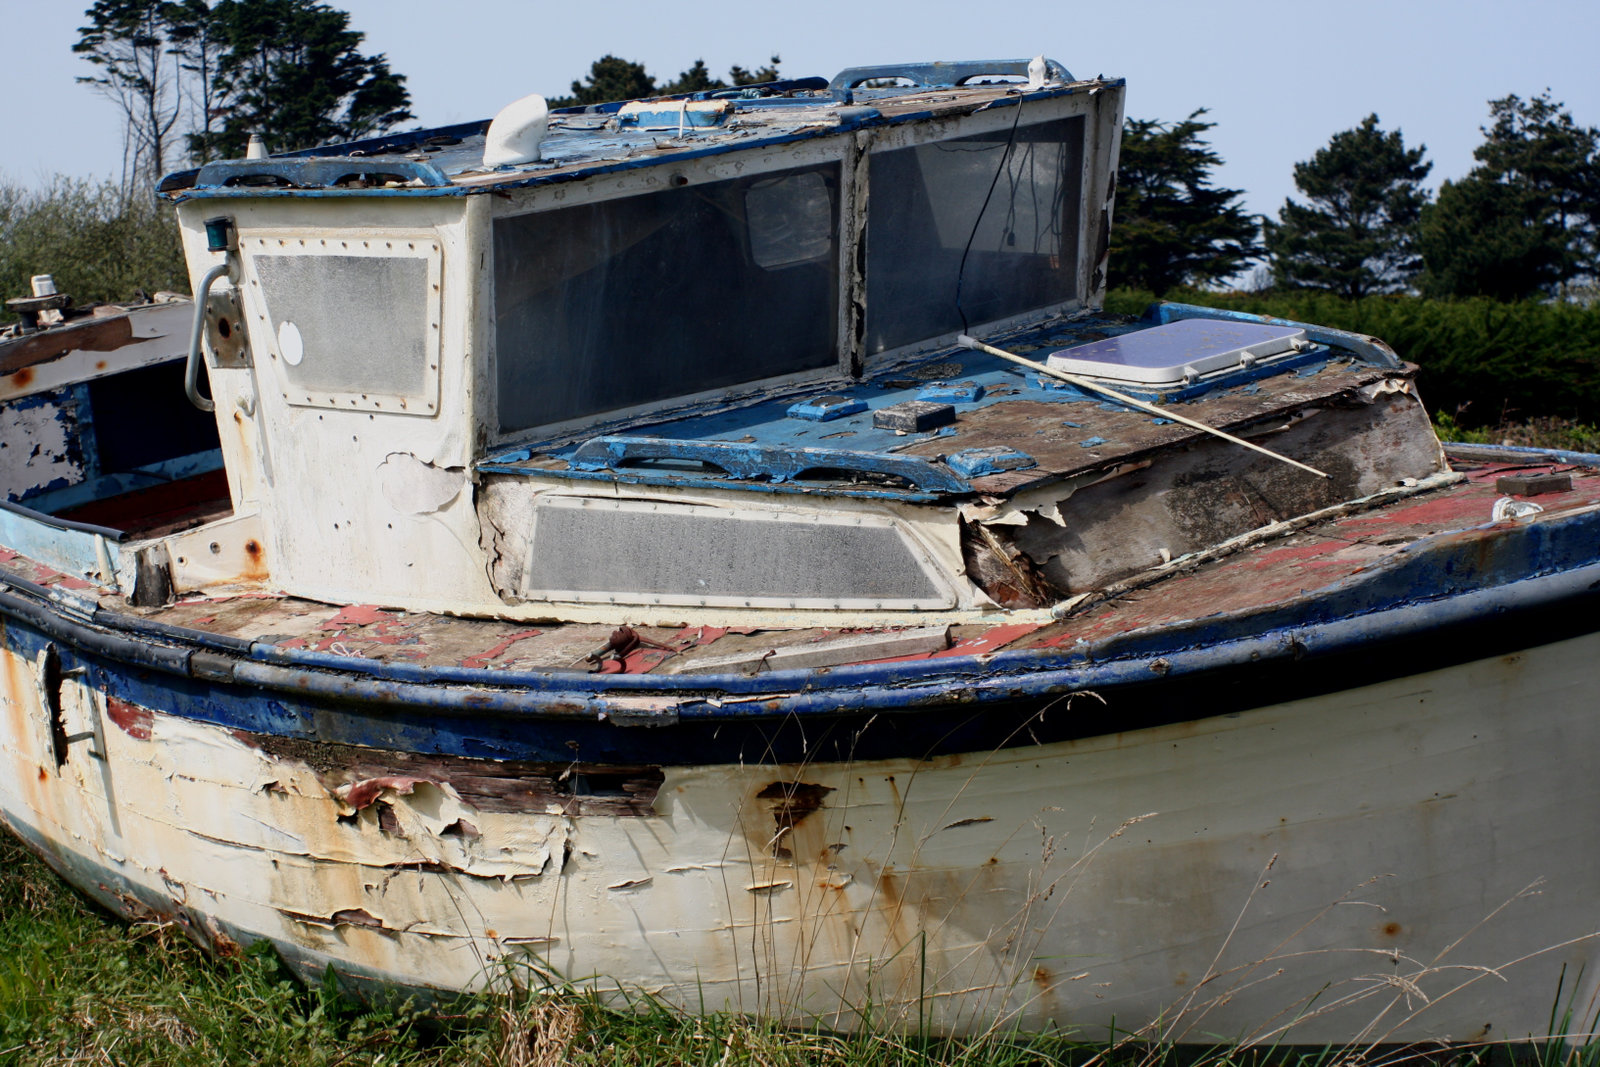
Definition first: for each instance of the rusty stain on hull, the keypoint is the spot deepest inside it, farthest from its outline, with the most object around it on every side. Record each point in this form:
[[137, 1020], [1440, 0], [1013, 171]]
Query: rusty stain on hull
[[877, 894], [358, 775]]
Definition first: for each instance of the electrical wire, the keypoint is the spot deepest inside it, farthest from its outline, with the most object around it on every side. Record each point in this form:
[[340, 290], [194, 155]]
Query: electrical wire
[[1005, 157]]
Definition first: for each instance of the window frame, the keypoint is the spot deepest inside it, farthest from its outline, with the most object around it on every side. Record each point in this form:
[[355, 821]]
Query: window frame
[[852, 150]]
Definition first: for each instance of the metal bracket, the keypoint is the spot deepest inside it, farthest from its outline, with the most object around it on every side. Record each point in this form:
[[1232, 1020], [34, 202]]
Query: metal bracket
[[225, 332], [49, 676]]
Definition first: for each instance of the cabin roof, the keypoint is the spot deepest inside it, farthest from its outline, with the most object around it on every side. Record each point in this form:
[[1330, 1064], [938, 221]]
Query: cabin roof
[[584, 141]]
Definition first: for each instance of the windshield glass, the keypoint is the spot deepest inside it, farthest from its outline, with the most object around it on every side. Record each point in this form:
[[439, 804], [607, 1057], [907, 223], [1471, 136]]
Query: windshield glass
[[924, 220], [608, 305]]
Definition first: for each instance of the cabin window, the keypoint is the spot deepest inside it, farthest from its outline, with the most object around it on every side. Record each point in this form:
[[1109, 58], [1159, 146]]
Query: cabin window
[[609, 305], [923, 214]]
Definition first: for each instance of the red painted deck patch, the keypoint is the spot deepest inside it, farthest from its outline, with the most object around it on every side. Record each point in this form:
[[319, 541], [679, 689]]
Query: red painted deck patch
[[362, 615]]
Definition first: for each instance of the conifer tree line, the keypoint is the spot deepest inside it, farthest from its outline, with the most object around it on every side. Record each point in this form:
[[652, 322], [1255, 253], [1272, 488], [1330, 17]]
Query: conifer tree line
[[194, 78], [1523, 223], [611, 78]]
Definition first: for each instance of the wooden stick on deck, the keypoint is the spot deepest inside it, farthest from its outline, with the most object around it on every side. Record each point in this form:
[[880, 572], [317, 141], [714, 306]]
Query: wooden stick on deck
[[1122, 398]]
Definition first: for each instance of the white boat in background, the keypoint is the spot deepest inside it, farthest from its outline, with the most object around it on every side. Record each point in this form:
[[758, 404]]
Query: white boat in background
[[612, 555]]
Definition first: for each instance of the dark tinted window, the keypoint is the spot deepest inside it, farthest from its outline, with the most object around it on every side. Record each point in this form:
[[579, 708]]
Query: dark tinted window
[[923, 208], [603, 306]]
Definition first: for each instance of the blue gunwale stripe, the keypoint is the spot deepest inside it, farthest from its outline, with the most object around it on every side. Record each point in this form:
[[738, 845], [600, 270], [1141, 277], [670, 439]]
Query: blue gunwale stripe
[[973, 711], [1412, 590]]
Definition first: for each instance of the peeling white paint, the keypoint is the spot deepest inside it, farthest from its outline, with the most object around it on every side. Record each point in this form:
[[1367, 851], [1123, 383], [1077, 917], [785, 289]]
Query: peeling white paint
[[413, 487], [38, 448], [1068, 905]]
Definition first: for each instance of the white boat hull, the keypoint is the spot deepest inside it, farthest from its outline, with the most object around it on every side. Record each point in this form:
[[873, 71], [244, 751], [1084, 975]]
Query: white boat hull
[[1398, 862]]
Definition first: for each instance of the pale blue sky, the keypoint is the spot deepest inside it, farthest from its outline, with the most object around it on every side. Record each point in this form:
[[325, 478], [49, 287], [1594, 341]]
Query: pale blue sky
[[1279, 78]]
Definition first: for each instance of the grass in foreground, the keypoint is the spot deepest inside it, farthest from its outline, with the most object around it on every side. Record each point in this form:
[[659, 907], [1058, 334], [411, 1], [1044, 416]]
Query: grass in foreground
[[79, 987]]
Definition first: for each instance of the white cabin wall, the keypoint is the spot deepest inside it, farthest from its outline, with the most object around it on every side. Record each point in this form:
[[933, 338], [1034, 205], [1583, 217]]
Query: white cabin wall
[[359, 505]]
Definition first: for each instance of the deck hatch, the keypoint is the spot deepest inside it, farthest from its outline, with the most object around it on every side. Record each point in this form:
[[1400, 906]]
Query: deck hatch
[[591, 549], [1179, 351]]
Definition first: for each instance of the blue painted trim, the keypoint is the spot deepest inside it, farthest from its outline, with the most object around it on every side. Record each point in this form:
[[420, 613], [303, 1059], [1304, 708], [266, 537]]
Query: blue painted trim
[[318, 172], [1442, 579], [393, 143], [22, 512], [1520, 453], [68, 548], [1425, 612], [757, 461]]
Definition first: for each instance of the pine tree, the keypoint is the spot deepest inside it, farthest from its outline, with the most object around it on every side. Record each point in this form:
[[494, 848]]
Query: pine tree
[[198, 49], [1527, 218], [1172, 226], [291, 70], [1356, 236], [759, 76], [697, 79], [610, 78], [1487, 238]]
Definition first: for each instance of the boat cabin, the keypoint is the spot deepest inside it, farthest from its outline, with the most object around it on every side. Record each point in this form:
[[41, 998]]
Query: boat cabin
[[695, 359]]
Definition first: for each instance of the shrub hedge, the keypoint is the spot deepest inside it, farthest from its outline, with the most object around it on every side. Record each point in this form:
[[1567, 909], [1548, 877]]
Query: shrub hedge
[[99, 242]]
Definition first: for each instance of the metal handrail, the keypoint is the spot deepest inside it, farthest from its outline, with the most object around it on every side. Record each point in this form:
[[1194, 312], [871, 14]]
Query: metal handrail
[[191, 370], [929, 75], [744, 460]]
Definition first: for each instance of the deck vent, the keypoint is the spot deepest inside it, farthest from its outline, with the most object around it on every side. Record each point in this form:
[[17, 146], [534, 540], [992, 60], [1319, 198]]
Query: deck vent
[[517, 132], [602, 550], [1180, 351]]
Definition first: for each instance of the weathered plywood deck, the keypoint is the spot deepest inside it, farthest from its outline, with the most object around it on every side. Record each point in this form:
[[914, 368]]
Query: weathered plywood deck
[[1270, 572]]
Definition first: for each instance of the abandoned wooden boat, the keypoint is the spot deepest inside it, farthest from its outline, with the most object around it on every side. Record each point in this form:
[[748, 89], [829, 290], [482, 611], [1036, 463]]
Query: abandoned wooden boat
[[614, 560]]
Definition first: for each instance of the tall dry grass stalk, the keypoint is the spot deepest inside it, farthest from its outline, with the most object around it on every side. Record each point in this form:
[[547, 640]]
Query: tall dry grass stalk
[[537, 1032]]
